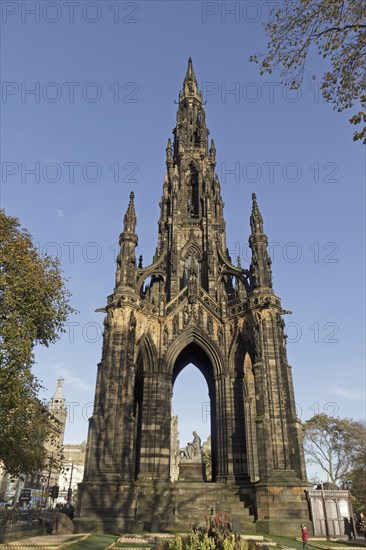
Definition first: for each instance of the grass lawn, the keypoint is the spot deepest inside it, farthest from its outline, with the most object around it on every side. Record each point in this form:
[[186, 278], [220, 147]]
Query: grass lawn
[[286, 541], [341, 543], [292, 543], [94, 542], [132, 545]]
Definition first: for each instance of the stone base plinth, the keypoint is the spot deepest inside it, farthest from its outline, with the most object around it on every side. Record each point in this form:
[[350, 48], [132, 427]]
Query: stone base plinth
[[281, 508], [190, 471], [110, 506]]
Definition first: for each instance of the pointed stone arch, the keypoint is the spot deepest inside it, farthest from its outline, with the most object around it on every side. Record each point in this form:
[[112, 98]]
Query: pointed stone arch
[[192, 183], [147, 356], [192, 348], [197, 336], [191, 161], [189, 248]]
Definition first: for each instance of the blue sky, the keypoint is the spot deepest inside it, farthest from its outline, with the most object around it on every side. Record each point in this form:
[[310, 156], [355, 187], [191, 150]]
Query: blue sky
[[106, 78]]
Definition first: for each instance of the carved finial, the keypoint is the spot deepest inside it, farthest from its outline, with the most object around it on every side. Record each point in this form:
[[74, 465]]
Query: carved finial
[[130, 216], [190, 72], [260, 267], [212, 149], [169, 151], [256, 220], [140, 261], [190, 86]]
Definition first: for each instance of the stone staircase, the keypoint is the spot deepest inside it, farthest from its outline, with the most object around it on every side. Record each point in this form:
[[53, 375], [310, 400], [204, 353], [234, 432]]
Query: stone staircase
[[187, 503]]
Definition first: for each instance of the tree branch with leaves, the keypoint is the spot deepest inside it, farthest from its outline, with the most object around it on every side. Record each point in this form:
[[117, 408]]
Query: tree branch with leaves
[[337, 30], [34, 305], [334, 444]]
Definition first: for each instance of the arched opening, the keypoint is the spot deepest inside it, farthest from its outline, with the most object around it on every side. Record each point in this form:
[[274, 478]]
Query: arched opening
[[151, 288], [192, 193], [232, 287], [191, 412], [201, 417]]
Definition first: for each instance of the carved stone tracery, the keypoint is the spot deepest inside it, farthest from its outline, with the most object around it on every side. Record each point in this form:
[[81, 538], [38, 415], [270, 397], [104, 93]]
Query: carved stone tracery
[[192, 304]]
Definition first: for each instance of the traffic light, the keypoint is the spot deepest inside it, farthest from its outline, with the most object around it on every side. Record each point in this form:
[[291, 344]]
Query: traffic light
[[54, 491]]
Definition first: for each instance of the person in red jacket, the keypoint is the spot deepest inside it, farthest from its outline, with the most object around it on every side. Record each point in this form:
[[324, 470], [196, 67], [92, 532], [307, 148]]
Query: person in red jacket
[[304, 536]]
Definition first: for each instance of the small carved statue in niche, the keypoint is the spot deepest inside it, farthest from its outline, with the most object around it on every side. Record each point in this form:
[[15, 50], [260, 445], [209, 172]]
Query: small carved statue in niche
[[209, 325], [210, 260], [165, 336], [185, 315], [192, 279], [220, 336], [175, 325], [200, 316], [132, 320]]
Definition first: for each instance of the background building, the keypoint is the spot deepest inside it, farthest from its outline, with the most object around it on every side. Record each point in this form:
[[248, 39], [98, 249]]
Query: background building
[[41, 480], [72, 471]]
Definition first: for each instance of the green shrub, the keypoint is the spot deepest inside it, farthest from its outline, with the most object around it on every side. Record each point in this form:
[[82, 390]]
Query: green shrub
[[195, 541], [176, 544], [215, 535]]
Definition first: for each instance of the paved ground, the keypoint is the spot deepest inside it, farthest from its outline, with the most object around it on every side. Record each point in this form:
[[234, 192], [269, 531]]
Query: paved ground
[[43, 542], [290, 542], [102, 542]]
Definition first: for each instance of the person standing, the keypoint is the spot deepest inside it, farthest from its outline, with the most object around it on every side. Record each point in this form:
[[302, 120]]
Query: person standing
[[304, 536]]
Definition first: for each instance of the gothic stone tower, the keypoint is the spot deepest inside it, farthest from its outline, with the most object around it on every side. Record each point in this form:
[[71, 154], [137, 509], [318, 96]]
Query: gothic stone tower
[[192, 305]]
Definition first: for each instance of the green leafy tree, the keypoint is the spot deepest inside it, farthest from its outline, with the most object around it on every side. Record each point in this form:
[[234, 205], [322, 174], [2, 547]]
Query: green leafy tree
[[334, 444], [355, 480], [357, 483], [34, 305], [337, 29]]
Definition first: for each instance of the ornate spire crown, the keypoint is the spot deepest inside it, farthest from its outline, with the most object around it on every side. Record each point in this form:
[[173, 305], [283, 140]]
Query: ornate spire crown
[[190, 86], [256, 220], [130, 218]]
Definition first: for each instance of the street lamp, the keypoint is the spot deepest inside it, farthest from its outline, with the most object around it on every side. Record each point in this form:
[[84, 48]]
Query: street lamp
[[69, 492]]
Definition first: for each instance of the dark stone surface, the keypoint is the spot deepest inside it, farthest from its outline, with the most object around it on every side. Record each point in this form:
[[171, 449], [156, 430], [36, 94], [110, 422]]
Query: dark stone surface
[[63, 524], [190, 471], [193, 304]]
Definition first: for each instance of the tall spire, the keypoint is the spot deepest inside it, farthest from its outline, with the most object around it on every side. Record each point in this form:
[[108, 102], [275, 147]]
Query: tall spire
[[260, 268], [190, 76], [126, 259], [191, 209], [190, 132], [190, 86], [130, 218], [256, 220]]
